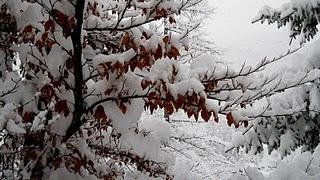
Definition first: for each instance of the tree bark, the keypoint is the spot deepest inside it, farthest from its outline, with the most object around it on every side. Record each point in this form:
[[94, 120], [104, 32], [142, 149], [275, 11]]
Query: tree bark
[[78, 72]]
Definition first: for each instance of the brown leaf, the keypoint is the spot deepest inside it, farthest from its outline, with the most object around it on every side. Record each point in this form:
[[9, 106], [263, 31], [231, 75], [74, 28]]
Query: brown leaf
[[169, 108], [166, 40], [230, 119], [125, 39], [31, 155], [28, 117], [39, 44], [246, 123], [49, 25], [122, 107], [72, 22], [108, 91], [27, 29], [152, 108], [63, 20], [172, 20], [57, 162], [189, 113], [202, 103], [100, 114], [62, 107], [144, 34], [151, 96], [179, 102], [69, 63], [47, 92], [145, 84], [59, 16], [158, 54], [56, 83], [44, 36], [205, 114], [144, 10], [173, 53], [243, 105], [90, 162]]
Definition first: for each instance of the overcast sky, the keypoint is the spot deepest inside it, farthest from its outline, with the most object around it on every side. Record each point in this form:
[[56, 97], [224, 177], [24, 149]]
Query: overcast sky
[[231, 28]]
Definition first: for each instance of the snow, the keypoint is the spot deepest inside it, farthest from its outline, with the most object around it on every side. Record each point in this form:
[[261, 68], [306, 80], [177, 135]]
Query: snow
[[63, 173], [314, 100], [121, 57], [56, 56], [189, 149], [39, 121], [5, 115], [14, 128], [300, 165]]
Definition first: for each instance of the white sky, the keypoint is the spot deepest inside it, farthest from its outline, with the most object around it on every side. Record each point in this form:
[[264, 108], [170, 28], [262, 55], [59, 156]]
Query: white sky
[[231, 29]]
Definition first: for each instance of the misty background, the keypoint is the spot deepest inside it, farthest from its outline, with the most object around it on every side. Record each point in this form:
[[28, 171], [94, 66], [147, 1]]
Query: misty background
[[231, 29]]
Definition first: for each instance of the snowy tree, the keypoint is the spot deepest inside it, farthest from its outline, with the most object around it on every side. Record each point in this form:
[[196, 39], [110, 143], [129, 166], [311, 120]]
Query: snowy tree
[[77, 75], [289, 119], [84, 71], [299, 165], [190, 26], [302, 17], [75, 78]]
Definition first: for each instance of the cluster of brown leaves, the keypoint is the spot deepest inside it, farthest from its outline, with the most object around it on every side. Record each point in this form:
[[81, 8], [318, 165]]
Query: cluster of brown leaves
[[194, 104], [145, 57], [67, 23]]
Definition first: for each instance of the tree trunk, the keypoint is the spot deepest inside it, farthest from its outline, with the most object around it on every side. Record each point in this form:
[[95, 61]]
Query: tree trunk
[[78, 73]]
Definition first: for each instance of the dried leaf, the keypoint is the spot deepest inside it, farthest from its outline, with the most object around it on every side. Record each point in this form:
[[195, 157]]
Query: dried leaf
[[62, 107], [246, 123], [27, 29], [108, 91], [44, 36], [166, 40], [174, 53], [172, 20], [158, 54], [125, 39], [28, 117], [205, 114], [145, 84], [169, 108], [230, 119], [69, 63], [100, 114], [49, 25], [122, 107]]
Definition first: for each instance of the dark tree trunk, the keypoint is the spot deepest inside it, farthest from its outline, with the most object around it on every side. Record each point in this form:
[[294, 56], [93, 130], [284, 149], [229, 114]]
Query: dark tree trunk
[[78, 73]]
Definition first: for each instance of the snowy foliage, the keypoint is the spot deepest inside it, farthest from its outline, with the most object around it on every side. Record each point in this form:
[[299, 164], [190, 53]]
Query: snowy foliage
[[76, 77], [84, 72], [289, 120], [299, 165], [302, 16], [190, 26]]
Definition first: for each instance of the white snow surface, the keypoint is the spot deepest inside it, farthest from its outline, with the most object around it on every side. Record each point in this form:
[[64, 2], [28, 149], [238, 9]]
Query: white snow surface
[[200, 152]]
